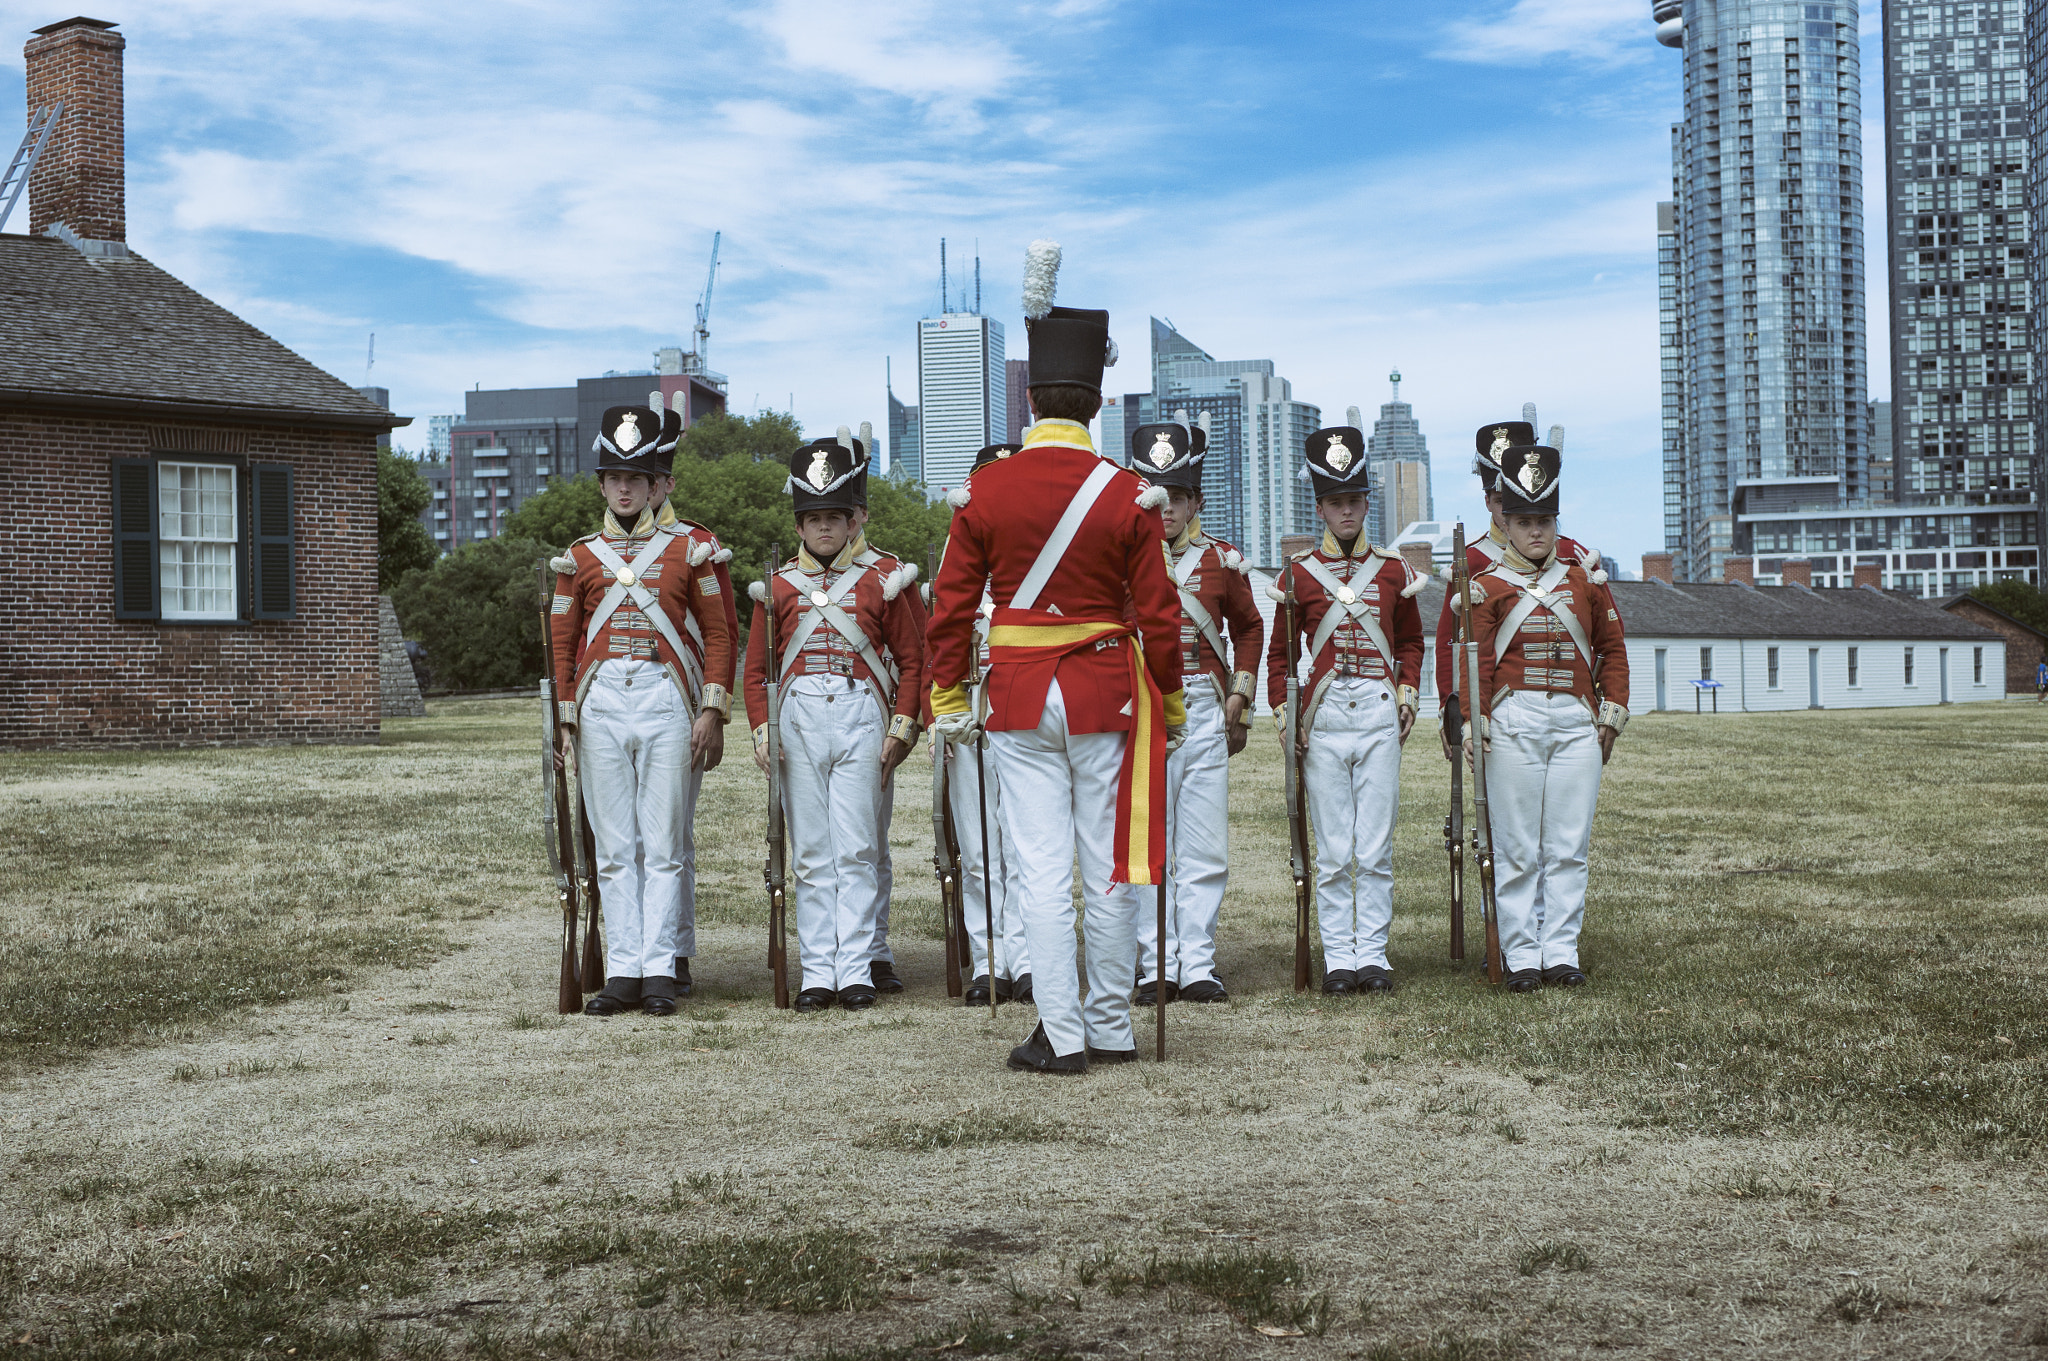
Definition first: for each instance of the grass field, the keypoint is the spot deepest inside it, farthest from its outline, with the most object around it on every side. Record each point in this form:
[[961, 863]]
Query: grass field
[[280, 1075]]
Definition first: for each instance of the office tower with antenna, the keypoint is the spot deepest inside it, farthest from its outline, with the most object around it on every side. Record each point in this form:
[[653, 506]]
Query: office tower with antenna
[[963, 396], [1398, 455]]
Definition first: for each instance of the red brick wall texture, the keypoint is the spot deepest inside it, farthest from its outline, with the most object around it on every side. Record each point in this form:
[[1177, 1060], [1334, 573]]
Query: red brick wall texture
[[80, 179], [71, 675]]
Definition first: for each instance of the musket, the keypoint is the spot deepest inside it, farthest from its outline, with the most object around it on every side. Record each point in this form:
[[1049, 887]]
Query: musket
[[946, 844], [556, 828], [776, 872], [988, 893], [1454, 821], [585, 845], [1482, 824], [1300, 861]]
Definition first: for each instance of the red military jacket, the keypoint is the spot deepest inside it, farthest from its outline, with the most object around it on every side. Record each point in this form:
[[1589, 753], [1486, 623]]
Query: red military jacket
[[877, 602], [1541, 654], [1215, 576], [1381, 579], [1012, 506], [688, 586], [1483, 553]]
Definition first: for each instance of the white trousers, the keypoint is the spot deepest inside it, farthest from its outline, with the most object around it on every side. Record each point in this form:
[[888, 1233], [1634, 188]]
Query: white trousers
[[1013, 952], [1059, 799], [1542, 783], [633, 757], [1197, 847], [831, 781], [1353, 772]]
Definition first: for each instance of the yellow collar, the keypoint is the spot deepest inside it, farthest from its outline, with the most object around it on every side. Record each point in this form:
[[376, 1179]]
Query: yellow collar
[[642, 527], [1516, 562], [1359, 547], [1071, 434], [1493, 532], [855, 546]]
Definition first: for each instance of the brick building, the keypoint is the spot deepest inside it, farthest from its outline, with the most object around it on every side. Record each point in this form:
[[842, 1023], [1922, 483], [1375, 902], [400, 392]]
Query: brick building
[[2024, 644], [191, 518]]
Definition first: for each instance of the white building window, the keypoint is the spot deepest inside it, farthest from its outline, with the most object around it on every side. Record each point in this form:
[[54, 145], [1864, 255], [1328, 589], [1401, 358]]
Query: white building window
[[1771, 666], [1977, 665], [1909, 666], [1852, 668], [196, 540]]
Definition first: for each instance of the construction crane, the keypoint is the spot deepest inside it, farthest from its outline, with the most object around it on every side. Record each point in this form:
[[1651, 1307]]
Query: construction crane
[[696, 361]]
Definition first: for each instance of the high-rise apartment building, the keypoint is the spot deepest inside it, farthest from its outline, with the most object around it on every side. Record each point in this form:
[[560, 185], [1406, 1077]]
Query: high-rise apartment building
[[963, 397], [1399, 457], [1019, 376], [2036, 54], [1765, 357], [1251, 492], [1957, 154]]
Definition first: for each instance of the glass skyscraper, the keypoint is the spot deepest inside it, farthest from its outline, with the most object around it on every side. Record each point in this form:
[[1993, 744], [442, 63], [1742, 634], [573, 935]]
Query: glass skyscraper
[[963, 395], [1765, 366], [1956, 147], [1399, 455]]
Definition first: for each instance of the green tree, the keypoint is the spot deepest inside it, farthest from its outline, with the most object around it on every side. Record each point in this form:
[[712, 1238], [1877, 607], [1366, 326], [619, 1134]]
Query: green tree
[[403, 543], [903, 521], [566, 510], [2023, 602], [764, 435], [477, 611]]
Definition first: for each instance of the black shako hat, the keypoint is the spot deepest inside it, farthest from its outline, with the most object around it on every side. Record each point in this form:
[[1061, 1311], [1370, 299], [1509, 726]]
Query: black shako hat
[[637, 439], [1335, 460], [991, 452], [1165, 455], [1529, 480], [1066, 345], [828, 474], [1492, 442]]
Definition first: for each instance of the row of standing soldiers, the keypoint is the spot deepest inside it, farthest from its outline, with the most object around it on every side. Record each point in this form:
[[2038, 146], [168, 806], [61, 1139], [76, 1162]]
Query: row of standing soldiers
[[1085, 660]]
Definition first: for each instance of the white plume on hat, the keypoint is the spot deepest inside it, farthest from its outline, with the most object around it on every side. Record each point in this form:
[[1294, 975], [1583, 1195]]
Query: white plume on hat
[[1529, 414], [845, 438], [1556, 440], [1041, 277], [867, 437]]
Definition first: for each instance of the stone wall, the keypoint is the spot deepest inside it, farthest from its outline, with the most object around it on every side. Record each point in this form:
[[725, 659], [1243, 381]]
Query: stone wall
[[401, 688]]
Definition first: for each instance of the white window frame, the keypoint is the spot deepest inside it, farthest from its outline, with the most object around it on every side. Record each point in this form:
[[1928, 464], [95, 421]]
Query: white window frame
[[172, 516]]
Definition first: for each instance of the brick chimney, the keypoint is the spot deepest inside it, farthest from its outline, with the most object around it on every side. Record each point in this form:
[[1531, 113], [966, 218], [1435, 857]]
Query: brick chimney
[[1420, 558], [1797, 572], [81, 178], [1738, 571], [1870, 574], [1290, 544], [1657, 567]]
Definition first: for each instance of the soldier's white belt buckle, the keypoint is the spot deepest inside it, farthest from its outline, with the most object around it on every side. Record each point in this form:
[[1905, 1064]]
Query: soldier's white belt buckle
[[820, 599], [1346, 596], [626, 577]]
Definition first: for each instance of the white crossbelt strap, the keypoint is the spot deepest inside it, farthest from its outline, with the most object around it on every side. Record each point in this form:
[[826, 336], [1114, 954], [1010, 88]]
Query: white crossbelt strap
[[1361, 612], [833, 613], [1062, 536], [645, 599], [1192, 606], [1532, 596]]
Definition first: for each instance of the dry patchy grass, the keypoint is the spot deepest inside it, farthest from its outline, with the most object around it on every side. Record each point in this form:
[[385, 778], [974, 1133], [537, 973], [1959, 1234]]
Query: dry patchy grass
[[1798, 1111]]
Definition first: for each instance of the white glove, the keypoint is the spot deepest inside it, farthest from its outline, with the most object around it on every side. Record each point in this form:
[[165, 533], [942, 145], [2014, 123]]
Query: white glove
[[1175, 735], [956, 727]]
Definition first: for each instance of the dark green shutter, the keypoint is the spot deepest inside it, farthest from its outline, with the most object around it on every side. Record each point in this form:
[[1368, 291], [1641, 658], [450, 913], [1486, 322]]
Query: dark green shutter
[[134, 539], [270, 507]]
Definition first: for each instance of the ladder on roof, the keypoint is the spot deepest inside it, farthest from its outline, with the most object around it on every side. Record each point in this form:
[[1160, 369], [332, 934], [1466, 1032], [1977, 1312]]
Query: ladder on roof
[[39, 125]]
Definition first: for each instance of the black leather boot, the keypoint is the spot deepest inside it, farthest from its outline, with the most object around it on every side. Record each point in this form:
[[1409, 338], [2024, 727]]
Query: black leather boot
[[1035, 1056], [620, 994], [658, 995]]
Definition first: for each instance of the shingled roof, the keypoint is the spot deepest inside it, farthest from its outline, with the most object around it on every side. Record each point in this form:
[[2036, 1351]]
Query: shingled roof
[[115, 333], [1652, 609]]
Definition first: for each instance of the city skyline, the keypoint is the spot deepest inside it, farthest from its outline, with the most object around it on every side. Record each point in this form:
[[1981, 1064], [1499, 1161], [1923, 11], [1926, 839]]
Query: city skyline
[[1484, 228]]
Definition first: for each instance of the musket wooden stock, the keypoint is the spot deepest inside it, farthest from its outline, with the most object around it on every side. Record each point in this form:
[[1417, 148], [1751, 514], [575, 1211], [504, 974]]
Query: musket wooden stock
[[1482, 824], [1302, 864], [555, 811]]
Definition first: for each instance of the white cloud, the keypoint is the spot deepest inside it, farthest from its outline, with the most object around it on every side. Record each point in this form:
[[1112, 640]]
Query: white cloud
[[1602, 31]]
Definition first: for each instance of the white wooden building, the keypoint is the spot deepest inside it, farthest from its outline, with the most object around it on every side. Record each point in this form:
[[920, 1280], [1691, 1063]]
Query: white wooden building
[[1771, 648]]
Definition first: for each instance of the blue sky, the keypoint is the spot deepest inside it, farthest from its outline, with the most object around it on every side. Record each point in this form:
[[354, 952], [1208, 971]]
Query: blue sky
[[522, 193]]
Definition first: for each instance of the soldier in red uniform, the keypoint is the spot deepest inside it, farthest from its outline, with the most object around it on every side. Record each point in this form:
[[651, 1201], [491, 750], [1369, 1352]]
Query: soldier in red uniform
[[1355, 610], [1216, 602], [1491, 443], [1541, 629], [847, 723], [643, 644], [1082, 702]]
